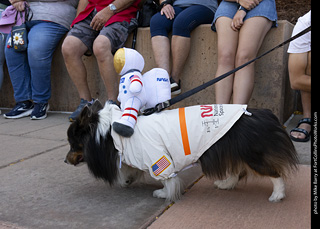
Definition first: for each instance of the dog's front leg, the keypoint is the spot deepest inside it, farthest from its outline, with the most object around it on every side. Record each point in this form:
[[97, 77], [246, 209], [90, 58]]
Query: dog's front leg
[[127, 175], [171, 190]]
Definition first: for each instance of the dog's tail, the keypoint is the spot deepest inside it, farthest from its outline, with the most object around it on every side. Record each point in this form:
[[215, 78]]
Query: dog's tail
[[258, 143]]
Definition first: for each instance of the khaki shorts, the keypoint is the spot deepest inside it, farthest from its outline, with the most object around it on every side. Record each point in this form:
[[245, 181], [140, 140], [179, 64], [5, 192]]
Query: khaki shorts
[[116, 32]]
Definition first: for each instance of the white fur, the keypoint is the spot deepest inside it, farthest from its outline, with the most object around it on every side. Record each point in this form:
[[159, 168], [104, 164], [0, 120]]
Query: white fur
[[278, 190], [104, 122], [171, 190]]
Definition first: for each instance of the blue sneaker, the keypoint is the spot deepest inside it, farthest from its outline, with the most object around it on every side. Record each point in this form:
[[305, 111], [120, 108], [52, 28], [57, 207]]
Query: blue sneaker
[[77, 112], [40, 111], [21, 109]]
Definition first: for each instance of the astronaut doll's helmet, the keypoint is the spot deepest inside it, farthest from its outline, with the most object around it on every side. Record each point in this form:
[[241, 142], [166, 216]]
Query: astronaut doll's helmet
[[126, 59]]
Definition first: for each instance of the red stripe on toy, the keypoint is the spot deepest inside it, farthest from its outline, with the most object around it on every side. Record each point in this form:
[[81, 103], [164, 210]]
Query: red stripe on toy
[[130, 115], [138, 80], [131, 109]]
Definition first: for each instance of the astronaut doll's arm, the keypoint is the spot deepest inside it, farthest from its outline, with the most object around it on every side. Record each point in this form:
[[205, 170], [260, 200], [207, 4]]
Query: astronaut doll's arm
[[135, 84]]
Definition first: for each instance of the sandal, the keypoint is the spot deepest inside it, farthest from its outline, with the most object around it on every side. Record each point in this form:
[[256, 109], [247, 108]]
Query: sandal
[[304, 120]]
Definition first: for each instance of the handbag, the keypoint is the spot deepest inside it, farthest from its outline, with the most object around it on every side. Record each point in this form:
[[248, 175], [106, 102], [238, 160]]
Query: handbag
[[19, 36], [149, 8]]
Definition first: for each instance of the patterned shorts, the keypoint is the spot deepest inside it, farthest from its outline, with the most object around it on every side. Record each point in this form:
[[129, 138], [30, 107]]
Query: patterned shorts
[[116, 32]]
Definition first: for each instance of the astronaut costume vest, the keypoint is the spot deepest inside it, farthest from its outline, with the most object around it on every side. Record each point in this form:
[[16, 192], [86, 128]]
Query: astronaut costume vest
[[164, 143]]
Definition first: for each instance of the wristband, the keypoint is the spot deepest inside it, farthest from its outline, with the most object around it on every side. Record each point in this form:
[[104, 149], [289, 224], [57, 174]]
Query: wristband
[[244, 9], [170, 2]]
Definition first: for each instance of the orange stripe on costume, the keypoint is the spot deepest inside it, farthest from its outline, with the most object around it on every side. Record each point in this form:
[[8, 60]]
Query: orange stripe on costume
[[184, 131]]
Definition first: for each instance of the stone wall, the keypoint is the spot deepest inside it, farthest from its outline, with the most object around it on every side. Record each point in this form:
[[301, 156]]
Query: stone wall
[[272, 87]]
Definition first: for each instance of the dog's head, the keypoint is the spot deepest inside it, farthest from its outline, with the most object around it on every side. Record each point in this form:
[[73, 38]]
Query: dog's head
[[91, 141], [79, 131]]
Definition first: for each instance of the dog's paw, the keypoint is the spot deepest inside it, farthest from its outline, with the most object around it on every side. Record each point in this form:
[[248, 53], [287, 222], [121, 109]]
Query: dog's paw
[[160, 193], [277, 196], [278, 190], [228, 183]]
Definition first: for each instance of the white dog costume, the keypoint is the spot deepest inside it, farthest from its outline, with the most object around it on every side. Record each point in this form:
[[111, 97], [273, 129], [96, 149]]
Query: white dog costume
[[137, 92], [165, 143]]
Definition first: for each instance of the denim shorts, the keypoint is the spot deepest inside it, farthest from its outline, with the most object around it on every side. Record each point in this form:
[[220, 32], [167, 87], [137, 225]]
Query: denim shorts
[[116, 32], [266, 8]]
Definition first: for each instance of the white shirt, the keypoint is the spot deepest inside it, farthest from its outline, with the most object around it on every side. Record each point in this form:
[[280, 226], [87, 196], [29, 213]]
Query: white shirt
[[301, 44]]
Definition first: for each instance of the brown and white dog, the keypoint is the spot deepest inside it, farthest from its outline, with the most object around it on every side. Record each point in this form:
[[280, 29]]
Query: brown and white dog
[[256, 144]]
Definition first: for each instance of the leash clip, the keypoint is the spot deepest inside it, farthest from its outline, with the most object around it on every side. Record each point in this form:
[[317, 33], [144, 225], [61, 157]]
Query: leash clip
[[159, 107]]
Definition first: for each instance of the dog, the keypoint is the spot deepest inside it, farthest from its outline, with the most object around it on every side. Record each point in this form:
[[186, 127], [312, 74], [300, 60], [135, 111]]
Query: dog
[[255, 144]]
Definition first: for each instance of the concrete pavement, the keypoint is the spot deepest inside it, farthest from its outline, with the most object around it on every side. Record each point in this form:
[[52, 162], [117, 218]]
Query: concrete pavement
[[38, 190]]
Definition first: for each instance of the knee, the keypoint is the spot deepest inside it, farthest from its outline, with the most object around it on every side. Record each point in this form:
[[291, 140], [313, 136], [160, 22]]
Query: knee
[[181, 28], [154, 21], [295, 85], [102, 49], [68, 48], [243, 56], [160, 25], [226, 57]]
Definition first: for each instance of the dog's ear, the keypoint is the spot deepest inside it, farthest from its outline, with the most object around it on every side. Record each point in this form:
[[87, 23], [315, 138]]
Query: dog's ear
[[96, 106], [85, 115], [86, 112]]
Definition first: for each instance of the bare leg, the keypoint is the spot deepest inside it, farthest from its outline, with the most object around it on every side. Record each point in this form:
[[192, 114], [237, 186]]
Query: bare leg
[[73, 50], [299, 65], [227, 45], [251, 36], [180, 51], [161, 51], [306, 96], [102, 51], [300, 79]]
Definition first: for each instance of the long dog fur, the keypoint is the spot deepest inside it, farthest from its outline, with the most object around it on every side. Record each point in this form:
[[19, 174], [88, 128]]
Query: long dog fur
[[256, 144]]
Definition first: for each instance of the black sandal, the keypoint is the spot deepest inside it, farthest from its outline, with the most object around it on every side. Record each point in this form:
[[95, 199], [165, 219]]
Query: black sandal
[[304, 120]]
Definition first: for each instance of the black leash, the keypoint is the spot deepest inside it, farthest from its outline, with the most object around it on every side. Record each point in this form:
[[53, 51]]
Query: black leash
[[161, 106]]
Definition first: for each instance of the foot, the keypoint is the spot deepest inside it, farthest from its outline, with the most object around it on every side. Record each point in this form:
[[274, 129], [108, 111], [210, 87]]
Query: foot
[[21, 109], [278, 190], [175, 87], [302, 131], [122, 129], [40, 111], [160, 193]]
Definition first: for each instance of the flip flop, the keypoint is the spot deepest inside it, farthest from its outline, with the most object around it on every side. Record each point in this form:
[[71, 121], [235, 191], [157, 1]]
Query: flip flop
[[304, 120]]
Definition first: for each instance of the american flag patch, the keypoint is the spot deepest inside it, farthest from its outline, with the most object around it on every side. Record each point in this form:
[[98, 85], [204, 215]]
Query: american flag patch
[[160, 165]]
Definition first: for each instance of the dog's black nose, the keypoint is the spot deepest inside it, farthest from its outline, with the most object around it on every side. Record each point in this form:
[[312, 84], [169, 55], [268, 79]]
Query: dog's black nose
[[65, 161]]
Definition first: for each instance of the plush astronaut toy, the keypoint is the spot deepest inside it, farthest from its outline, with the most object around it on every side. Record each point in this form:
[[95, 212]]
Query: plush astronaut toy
[[137, 92], [128, 64]]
